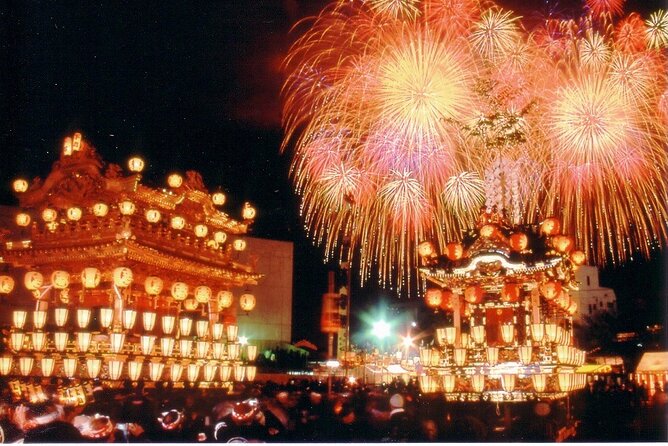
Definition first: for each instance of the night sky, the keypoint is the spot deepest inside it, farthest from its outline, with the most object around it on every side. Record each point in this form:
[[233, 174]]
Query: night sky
[[188, 86]]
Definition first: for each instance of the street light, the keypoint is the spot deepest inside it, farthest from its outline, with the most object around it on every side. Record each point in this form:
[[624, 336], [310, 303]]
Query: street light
[[381, 329]]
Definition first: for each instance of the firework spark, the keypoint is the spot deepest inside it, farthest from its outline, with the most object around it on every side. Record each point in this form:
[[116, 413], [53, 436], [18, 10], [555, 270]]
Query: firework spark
[[657, 29]]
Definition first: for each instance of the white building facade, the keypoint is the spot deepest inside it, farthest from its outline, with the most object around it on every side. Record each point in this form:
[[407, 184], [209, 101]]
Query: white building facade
[[591, 297]]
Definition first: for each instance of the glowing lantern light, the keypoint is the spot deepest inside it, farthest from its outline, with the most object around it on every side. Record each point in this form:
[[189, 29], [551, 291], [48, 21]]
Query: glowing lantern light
[[478, 383], [217, 330], [49, 215], [106, 317], [178, 222], [25, 365], [247, 302], [449, 382], [218, 350], [116, 341], [201, 349], [210, 371], [225, 299], [22, 219], [537, 332], [179, 291], [203, 294], [248, 212], [578, 257], [202, 328], [539, 382], [239, 244], [550, 226], [60, 279], [175, 371], [450, 335], [193, 372], [460, 356], [38, 340], [47, 365], [147, 344], [76, 142], [19, 318], [464, 340], [166, 346], [153, 285], [234, 350], [152, 215], [69, 367], [155, 370], [218, 198], [115, 369], [74, 213], [93, 365], [225, 372], [565, 382], [562, 243], [487, 231], [550, 289], [232, 332], [448, 300], [185, 347], [454, 251], [83, 341], [508, 382], [551, 332], [100, 209], [510, 292], [220, 237], [67, 146], [433, 297], [60, 316], [190, 304], [60, 340], [473, 294], [39, 319], [251, 352], [20, 185], [127, 207], [129, 318], [167, 322], [175, 180], [148, 320], [519, 241], [33, 280], [239, 372], [185, 326], [525, 354], [122, 277], [136, 164], [201, 230], [6, 284], [134, 370], [478, 334], [425, 249], [90, 277], [492, 356], [5, 365], [508, 333]]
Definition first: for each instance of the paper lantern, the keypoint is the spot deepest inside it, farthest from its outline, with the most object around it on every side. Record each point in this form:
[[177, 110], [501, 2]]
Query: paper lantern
[[220, 237], [122, 277], [487, 231], [562, 243], [510, 292], [76, 142], [117, 340], [22, 219], [478, 334], [83, 341], [473, 294], [232, 332], [239, 244], [507, 333], [178, 222], [155, 370], [152, 215], [19, 318], [39, 319], [448, 300], [147, 343], [248, 212], [153, 285], [129, 318], [449, 382], [134, 370], [578, 257], [550, 226], [115, 367], [38, 339], [33, 280], [49, 215], [16, 340], [450, 335], [179, 291], [69, 367], [210, 371], [217, 330], [218, 350], [168, 322], [83, 317], [519, 241], [185, 347], [20, 185], [60, 279], [433, 297], [190, 304], [218, 198], [25, 365], [425, 249], [539, 382], [460, 356], [508, 382], [550, 289], [247, 302], [202, 328], [74, 213], [524, 353], [106, 317], [136, 164], [202, 294], [492, 356], [94, 366], [90, 277], [537, 332], [225, 299], [148, 320], [175, 180], [185, 326], [251, 372], [60, 316], [234, 351], [175, 372], [251, 352], [201, 349], [551, 332], [225, 372], [48, 365], [5, 365], [60, 339], [67, 146], [201, 230], [126, 207], [166, 346], [193, 372], [6, 284], [478, 383], [454, 251], [100, 209]]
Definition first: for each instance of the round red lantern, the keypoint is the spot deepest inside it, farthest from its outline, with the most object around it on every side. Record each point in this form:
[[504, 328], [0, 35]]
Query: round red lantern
[[550, 226], [562, 243], [454, 251], [578, 257], [487, 231], [448, 300], [473, 294], [425, 249], [550, 289], [519, 241], [433, 297], [510, 292]]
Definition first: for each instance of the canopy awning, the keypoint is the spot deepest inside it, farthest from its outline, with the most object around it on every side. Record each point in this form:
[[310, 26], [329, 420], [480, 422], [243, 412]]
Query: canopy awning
[[653, 362], [594, 368]]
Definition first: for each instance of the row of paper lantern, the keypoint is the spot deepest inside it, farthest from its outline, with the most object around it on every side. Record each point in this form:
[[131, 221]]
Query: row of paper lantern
[[122, 277], [114, 368], [540, 333], [128, 318], [566, 382]]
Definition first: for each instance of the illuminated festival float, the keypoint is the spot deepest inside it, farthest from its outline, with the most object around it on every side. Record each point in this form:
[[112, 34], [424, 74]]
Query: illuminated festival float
[[105, 278]]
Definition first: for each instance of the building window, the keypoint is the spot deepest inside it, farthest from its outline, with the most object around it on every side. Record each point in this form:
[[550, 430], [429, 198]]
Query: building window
[[590, 310], [588, 281], [600, 304]]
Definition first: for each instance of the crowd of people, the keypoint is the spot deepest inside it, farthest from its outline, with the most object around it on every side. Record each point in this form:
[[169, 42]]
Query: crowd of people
[[309, 411]]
